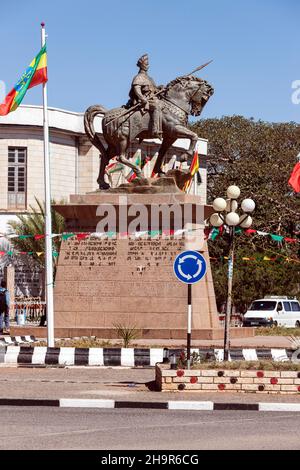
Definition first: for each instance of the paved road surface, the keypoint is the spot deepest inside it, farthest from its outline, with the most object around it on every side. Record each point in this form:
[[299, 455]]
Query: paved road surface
[[107, 383], [54, 428]]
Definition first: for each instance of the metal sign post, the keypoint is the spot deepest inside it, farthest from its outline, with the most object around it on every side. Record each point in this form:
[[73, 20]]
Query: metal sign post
[[189, 328], [189, 267]]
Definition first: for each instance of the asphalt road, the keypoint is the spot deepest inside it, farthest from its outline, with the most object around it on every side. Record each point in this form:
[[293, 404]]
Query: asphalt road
[[56, 429], [108, 383]]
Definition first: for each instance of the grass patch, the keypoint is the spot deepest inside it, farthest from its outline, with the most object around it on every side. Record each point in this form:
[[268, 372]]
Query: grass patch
[[80, 343], [93, 343], [277, 331], [248, 365]]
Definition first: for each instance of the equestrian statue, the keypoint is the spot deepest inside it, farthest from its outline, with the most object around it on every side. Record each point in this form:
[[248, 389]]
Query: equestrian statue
[[151, 112]]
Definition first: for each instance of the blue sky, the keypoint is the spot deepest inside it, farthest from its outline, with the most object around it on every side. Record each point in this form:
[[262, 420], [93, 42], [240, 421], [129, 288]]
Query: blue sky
[[93, 47]]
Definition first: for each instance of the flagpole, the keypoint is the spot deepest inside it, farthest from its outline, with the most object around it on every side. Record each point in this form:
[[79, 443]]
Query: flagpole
[[195, 175], [195, 185], [48, 222]]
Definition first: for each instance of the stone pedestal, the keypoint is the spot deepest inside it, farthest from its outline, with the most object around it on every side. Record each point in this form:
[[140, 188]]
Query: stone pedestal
[[127, 280]]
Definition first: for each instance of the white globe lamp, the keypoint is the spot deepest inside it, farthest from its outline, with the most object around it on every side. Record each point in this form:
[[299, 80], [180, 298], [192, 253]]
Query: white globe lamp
[[246, 221], [233, 192], [232, 219], [248, 205], [219, 204], [216, 220]]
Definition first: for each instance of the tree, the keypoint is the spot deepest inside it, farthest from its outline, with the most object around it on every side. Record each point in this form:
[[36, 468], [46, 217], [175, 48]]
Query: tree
[[259, 158], [34, 224]]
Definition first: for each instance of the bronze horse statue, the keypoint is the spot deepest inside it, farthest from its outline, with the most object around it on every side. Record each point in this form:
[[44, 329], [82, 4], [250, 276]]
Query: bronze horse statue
[[184, 96]]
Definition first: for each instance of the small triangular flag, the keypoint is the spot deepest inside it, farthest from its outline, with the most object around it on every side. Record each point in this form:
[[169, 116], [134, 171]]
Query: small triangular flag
[[276, 238], [65, 236]]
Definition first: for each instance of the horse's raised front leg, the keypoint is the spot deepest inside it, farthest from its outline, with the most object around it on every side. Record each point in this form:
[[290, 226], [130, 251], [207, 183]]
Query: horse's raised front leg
[[122, 158], [185, 133], [166, 144]]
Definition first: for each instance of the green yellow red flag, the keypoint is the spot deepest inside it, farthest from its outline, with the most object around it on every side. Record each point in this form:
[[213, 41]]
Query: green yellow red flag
[[34, 75], [193, 170]]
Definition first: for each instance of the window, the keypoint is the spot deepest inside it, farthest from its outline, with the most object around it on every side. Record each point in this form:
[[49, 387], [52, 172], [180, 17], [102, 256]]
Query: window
[[263, 305], [287, 306], [17, 177], [295, 306]]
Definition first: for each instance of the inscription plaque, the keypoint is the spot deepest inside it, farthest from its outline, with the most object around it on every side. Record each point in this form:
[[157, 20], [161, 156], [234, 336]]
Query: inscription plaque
[[103, 281]]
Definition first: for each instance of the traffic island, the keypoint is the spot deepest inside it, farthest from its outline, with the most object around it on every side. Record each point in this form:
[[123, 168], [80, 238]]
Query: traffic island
[[255, 380]]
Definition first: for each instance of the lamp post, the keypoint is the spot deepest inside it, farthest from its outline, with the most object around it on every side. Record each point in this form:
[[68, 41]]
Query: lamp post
[[225, 214]]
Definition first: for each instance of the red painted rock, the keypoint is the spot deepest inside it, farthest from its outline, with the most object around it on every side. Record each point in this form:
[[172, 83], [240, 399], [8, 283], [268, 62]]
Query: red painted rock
[[180, 373], [260, 374]]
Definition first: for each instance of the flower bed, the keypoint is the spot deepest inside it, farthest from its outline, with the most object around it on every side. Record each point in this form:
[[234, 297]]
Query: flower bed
[[232, 380]]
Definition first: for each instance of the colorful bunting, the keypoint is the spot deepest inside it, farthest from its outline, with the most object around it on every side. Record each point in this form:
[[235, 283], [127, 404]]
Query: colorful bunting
[[263, 234], [276, 238], [111, 234], [214, 233], [82, 236], [38, 237], [258, 259], [210, 234], [290, 240], [65, 236]]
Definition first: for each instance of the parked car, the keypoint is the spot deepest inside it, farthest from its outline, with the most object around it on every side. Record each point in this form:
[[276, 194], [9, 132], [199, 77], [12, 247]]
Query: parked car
[[273, 311]]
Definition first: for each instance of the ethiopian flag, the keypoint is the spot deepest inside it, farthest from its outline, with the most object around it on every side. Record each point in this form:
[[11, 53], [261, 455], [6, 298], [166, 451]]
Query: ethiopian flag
[[34, 75], [193, 170]]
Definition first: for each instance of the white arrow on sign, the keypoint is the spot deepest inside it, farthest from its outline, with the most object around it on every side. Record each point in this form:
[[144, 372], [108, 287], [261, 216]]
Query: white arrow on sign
[[181, 260], [199, 269], [186, 276]]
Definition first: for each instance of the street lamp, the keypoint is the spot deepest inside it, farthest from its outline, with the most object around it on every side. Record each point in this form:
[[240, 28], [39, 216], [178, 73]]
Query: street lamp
[[225, 214]]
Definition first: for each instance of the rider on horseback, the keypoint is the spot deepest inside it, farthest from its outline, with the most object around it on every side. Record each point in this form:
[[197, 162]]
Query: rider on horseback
[[142, 90]]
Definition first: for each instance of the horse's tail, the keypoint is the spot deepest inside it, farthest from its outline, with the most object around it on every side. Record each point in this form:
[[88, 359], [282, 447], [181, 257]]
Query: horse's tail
[[89, 117]]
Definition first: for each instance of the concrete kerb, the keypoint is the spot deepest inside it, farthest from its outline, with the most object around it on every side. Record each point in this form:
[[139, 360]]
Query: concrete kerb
[[159, 405], [125, 357]]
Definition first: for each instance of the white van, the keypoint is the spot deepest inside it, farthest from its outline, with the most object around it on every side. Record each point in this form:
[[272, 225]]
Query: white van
[[273, 311]]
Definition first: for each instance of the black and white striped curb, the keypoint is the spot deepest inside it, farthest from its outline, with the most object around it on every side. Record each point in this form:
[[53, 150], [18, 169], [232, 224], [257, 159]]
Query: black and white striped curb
[[39, 355], [15, 340], [127, 357], [158, 405]]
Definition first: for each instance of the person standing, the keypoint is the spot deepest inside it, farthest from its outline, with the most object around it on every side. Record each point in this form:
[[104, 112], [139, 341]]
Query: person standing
[[4, 308]]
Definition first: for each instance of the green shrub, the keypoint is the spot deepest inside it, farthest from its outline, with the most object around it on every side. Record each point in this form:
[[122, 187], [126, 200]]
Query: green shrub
[[126, 333]]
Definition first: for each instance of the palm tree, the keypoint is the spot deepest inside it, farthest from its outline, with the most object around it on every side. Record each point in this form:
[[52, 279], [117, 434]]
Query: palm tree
[[34, 224]]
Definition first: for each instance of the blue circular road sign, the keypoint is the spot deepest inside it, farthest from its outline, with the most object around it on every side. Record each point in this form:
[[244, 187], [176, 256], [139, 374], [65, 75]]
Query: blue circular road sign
[[189, 267]]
